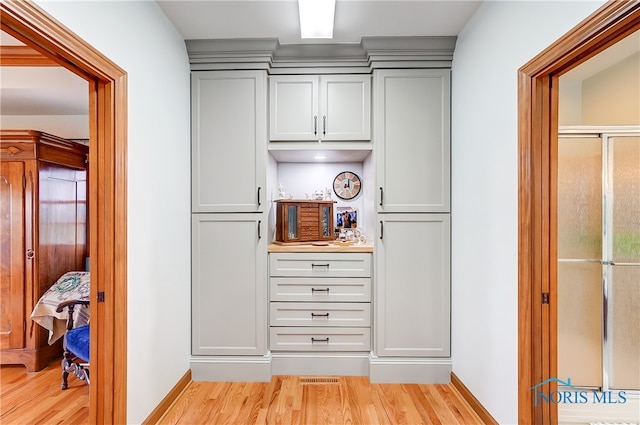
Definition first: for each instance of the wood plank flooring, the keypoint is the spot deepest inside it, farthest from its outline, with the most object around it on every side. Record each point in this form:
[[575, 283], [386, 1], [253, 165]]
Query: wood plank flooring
[[290, 400], [36, 398]]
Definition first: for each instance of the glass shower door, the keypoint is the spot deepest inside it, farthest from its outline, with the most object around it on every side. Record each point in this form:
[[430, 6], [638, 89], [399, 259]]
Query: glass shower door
[[580, 295], [599, 261], [622, 263]]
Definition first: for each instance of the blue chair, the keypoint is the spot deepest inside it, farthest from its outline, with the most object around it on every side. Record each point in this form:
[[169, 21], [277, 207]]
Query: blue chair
[[76, 345]]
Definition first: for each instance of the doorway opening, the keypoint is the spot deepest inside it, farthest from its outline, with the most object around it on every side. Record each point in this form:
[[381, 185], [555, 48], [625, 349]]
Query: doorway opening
[[537, 200], [107, 193], [599, 270]]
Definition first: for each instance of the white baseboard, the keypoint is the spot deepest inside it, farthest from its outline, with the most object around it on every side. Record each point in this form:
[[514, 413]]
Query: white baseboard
[[336, 364], [398, 370], [409, 370], [231, 369]]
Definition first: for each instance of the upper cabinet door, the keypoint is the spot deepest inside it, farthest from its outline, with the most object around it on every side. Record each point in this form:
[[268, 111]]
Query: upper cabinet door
[[345, 107], [412, 137], [229, 141], [309, 107], [293, 101]]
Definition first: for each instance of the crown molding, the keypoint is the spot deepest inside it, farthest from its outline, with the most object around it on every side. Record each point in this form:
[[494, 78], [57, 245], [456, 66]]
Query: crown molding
[[409, 52], [370, 53], [231, 53]]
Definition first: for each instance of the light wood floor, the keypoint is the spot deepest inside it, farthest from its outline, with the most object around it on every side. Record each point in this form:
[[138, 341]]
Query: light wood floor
[[291, 400], [36, 398]]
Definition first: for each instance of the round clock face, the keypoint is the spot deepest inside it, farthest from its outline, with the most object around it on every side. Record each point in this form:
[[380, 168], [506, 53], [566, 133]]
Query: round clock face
[[347, 185]]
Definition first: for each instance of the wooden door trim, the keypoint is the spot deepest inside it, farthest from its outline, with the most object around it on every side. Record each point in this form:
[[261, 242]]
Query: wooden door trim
[[537, 234], [107, 193], [23, 56]]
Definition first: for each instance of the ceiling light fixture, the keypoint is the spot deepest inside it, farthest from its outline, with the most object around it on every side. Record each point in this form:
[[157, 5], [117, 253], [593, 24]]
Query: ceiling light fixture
[[316, 18], [319, 157]]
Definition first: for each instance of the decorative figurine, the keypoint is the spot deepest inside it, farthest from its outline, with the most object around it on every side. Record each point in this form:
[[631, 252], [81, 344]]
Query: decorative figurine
[[318, 195], [281, 194], [327, 194]]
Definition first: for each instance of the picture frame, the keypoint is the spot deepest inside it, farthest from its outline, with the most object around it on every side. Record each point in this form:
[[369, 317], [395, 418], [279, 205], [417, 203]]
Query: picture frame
[[346, 218]]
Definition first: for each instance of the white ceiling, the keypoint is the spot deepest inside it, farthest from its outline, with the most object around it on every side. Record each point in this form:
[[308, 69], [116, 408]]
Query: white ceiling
[[618, 52], [353, 19], [40, 90]]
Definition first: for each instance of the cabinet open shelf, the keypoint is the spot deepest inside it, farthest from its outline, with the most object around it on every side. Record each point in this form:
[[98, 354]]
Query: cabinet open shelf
[[302, 152]]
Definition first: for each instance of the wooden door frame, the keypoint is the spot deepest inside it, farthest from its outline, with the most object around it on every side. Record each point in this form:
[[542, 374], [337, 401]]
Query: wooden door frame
[[107, 194], [537, 210]]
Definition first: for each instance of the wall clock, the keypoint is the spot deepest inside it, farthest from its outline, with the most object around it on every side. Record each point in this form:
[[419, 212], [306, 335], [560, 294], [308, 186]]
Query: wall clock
[[347, 185]]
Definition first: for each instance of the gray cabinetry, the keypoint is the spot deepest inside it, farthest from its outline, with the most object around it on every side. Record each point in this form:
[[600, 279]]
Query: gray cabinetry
[[320, 302], [412, 295], [412, 140], [229, 290], [412, 244], [228, 148], [229, 226], [327, 107]]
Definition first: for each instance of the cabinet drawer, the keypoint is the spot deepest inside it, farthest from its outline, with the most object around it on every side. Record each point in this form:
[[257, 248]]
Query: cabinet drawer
[[336, 264], [320, 314], [353, 289], [320, 339]]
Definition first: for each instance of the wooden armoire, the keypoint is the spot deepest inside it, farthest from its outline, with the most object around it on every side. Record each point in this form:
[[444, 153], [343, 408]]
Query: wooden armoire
[[43, 234]]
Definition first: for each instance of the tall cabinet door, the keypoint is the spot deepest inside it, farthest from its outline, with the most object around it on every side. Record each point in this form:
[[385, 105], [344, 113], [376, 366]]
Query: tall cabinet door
[[229, 284], [229, 136], [412, 137], [413, 285], [12, 255]]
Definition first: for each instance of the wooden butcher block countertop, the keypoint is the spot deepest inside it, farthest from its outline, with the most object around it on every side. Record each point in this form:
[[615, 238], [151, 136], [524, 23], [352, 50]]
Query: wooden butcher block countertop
[[321, 247]]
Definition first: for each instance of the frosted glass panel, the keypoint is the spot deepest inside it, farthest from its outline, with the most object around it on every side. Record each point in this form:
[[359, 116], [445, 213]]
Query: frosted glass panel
[[580, 198], [292, 221], [626, 327], [326, 222], [626, 199], [580, 323]]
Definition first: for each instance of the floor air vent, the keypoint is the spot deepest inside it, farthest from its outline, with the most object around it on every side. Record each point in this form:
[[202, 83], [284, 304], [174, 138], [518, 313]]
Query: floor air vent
[[310, 381]]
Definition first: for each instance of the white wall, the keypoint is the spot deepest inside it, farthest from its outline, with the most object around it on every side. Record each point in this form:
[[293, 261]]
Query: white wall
[[570, 102], [500, 38], [612, 97], [139, 38], [66, 126], [67, 96]]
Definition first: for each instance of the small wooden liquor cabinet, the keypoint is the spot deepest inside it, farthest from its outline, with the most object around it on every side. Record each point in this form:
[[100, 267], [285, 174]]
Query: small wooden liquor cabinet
[[304, 221]]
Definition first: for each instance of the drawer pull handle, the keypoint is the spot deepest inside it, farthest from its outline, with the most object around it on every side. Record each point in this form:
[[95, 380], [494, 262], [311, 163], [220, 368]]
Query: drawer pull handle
[[314, 265], [319, 340], [319, 290], [320, 315]]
